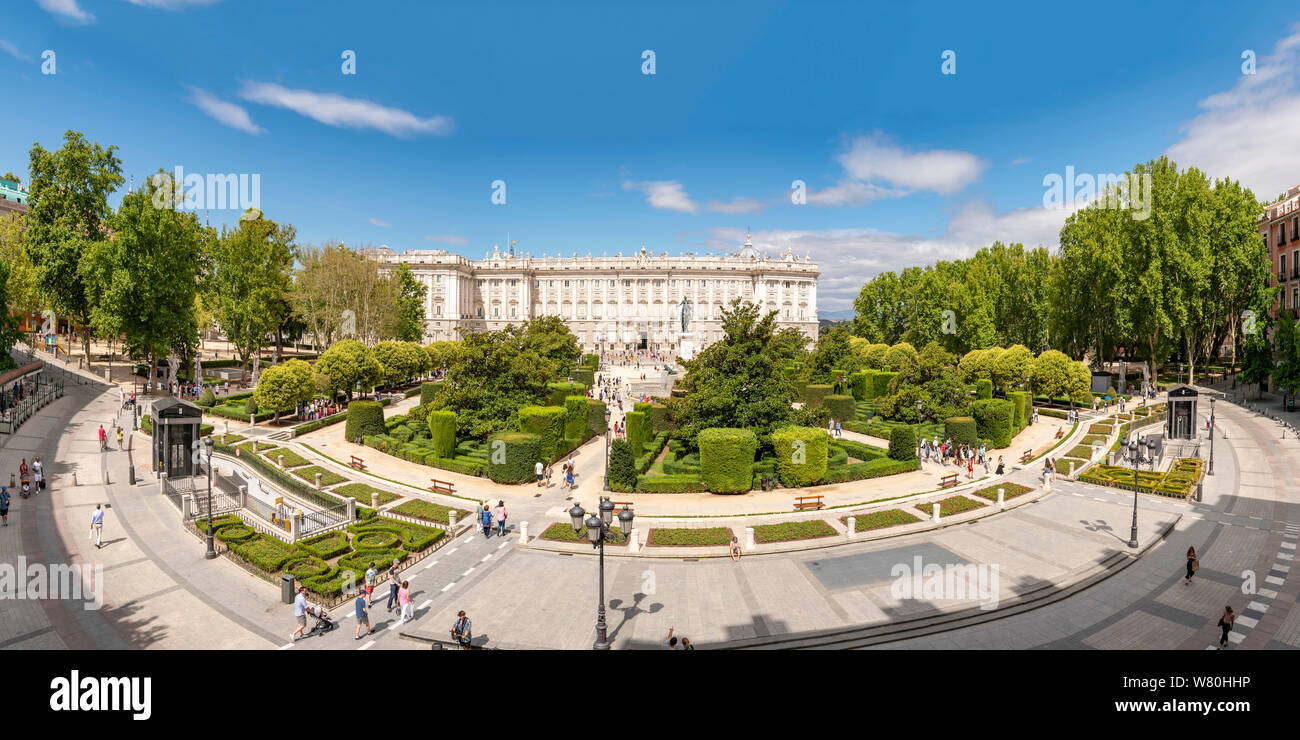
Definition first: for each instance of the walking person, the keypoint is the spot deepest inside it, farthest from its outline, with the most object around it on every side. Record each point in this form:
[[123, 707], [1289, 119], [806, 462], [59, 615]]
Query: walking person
[[500, 514], [119, 438], [404, 602], [393, 584], [1225, 622], [568, 477], [485, 519], [461, 630], [103, 439], [372, 576], [1193, 565], [38, 472], [97, 525], [4, 504], [539, 469], [299, 613], [1000, 466], [363, 611]]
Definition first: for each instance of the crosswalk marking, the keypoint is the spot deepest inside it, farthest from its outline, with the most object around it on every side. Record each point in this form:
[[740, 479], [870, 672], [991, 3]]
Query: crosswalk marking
[[485, 558], [503, 544], [367, 645], [426, 603], [448, 587]]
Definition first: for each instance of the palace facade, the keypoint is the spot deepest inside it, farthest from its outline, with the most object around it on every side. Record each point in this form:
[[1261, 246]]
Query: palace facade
[[624, 302]]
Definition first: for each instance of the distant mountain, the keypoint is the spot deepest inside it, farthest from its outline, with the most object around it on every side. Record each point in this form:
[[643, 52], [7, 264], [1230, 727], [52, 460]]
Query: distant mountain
[[842, 315]]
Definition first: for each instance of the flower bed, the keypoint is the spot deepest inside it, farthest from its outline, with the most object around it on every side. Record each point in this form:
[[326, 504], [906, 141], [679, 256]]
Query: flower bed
[[1179, 482], [705, 537], [563, 532], [881, 519], [427, 511], [1093, 439], [787, 531], [327, 478], [327, 545], [951, 505], [1009, 490], [361, 492], [1102, 429], [1083, 452]]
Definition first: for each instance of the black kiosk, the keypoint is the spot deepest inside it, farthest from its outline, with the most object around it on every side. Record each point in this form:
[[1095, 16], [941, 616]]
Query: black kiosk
[[1181, 421], [175, 428]]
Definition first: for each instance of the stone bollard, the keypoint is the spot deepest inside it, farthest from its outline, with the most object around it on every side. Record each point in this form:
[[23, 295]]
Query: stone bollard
[[523, 531], [749, 538], [279, 460], [1047, 483], [853, 527], [936, 513], [106, 481], [374, 501], [294, 525], [75, 483], [451, 520], [186, 508], [131, 474], [254, 445], [317, 477], [243, 497], [162, 482], [1002, 504], [634, 540], [252, 419], [352, 508], [1071, 470]]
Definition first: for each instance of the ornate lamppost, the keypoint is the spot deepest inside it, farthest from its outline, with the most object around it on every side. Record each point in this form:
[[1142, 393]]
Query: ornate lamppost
[[598, 530]]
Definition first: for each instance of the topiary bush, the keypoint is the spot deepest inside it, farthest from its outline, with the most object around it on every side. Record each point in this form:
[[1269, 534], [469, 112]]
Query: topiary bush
[[547, 422], [596, 416], [638, 430], [800, 455], [880, 383], [250, 406], [983, 389], [208, 399], [726, 459], [563, 389], [993, 421], [442, 432], [962, 430], [815, 393], [842, 408], [364, 418], [622, 466], [585, 375], [427, 391], [902, 443], [1021, 416], [660, 420], [858, 385], [575, 417], [511, 456]]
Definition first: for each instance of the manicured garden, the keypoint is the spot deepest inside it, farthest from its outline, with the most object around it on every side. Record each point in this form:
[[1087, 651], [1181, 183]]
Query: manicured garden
[[1179, 482], [881, 519], [789, 531], [951, 505]]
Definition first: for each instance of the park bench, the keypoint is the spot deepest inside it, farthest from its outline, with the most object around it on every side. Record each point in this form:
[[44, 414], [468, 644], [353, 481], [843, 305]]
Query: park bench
[[1026, 456], [358, 463], [620, 505], [808, 502], [948, 480], [442, 486]]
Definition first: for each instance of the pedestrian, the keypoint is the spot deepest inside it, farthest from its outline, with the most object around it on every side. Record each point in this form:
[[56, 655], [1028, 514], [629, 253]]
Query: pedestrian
[[1225, 622], [404, 602], [1000, 467], [461, 630], [393, 584], [4, 504], [363, 612], [569, 480], [686, 644], [735, 549], [501, 518], [548, 476], [119, 438], [485, 518], [103, 443], [97, 525], [372, 576], [1193, 565], [539, 469], [670, 642], [299, 613], [839, 429], [970, 466]]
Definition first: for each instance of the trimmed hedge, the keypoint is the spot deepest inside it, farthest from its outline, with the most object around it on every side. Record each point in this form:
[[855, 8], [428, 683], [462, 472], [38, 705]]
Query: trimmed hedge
[[576, 420], [327, 477], [815, 393], [430, 512], [622, 466], [659, 419], [1021, 402], [364, 418], [585, 375], [962, 430], [880, 383], [800, 455], [427, 392], [326, 546], [547, 423], [881, 519], [993, 421], [563, 389], [726, 459], [902, 443], [869, 385], [511, 456], [842, 408], [678, 483], [877, 468], [638, 430], [442, 432], [858, 385], [596, 417], [984, 389], [787, 531]]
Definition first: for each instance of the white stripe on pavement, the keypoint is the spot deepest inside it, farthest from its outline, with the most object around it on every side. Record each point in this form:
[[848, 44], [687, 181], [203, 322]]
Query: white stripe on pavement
[[426, 603], [485, 558], [448, 587], [367, 645]]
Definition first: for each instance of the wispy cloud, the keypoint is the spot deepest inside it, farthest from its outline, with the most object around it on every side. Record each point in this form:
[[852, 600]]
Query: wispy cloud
[[851, 193], [735, 206], [377, 222], [172, 4], [337, 110], [67, 9], [13, 51], [1019, 161], [874, 168], [1248, 132], [455, 239], [666, 195], [224, 112]]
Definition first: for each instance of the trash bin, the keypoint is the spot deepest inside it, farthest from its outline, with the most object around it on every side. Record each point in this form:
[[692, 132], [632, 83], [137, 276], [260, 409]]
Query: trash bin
[[286, 589]]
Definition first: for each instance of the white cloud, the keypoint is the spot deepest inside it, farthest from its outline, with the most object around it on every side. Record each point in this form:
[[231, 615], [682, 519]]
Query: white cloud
[[224, 112], [1248, 132], [943, 171], [172, 4], [851, 193], [66, 9], [737, 205], [377, 222], [455, 239], [1020, 160], [13, 51], [666, 195], [847, 258], [337, 110]]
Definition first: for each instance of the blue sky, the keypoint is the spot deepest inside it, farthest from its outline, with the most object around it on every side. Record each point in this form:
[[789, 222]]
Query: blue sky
[[903, 164]]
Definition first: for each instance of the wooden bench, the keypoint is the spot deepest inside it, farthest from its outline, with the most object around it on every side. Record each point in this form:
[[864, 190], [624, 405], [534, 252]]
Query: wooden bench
[[808, 502], [358, 463], [948, 480], [1026, 456], [619, 506], [442, 486]]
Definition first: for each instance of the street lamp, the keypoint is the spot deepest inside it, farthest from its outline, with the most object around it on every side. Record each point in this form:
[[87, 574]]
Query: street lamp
[[598, 530], [1135, 447], [1211, 470], [607, 417], [212, 551]]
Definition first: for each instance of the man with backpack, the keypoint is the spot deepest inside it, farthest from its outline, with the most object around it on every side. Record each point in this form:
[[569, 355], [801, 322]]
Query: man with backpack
[[461, 630]]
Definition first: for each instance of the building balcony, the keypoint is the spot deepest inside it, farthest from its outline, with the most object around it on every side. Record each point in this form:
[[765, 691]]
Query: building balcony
[[1281, 276]]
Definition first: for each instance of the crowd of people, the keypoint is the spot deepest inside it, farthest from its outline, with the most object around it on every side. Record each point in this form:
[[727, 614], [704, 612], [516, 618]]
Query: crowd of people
[[963, 455]]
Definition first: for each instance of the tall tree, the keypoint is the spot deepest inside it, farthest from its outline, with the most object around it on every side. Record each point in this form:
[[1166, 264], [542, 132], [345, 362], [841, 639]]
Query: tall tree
[[410, 305], [248, 280]]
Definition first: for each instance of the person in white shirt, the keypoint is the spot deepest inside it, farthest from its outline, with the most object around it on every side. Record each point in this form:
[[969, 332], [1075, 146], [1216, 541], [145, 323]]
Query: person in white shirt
[[538, 469], [97, 525]]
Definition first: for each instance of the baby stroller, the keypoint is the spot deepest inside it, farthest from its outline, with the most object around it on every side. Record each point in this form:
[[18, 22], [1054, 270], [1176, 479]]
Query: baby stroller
[[323, 622], [27, 487]]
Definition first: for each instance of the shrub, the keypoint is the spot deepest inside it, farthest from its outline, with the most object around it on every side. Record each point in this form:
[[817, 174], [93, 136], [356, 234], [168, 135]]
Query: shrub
[[264, 551], [815, 393], [726, 459], [359, 561], [842, 408], [881, 519], [962, 430], [563, 532], [596, 416], [902, 443], [585, 375], [880, 383], [512, 455], [442, 432], [364, 418], [622, 466], [1021, 402], [427, 392], [858, 385], [993, 421], [660, 419], [787, 531], [250, 407], [563, 389], [983, 389], [547, 422], [233, 532], [575, 417], [642, 406], [327, 545], [800, 455], [208, 399], [402, 433], [677, 483], [688, 537], [877, 468], [638, 430], [869, 384]]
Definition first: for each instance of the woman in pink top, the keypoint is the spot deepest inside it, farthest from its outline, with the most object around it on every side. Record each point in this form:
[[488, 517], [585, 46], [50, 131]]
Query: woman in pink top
[[404, 602]]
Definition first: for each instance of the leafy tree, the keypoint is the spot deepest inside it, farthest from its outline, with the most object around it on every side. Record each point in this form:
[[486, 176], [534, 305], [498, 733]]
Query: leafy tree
[[790, 343], [442, 353], [900, 358], [69, 209], [1257, 360], [832, 353], [873, 356], [24, 291], [278, 389], [1286, 341], [410, 305], [248, 282], [9, 332], [346, 363], [1011, 368], [1051, 374], [977, 364]]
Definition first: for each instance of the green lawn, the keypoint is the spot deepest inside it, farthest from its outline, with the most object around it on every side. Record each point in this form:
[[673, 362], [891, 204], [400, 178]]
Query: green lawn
[[361, 492], [952, 505], [881, 519], [327, 478], [425, 510]]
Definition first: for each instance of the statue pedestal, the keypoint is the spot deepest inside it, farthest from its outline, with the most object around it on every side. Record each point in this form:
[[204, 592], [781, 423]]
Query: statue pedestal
[[686, 346]]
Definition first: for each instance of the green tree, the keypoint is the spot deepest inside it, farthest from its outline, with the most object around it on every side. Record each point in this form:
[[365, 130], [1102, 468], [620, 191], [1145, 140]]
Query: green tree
[[278, 389], [410, 305], [24, 290], [249, 281], [9, 331], [1011, 368], [346, 363]]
